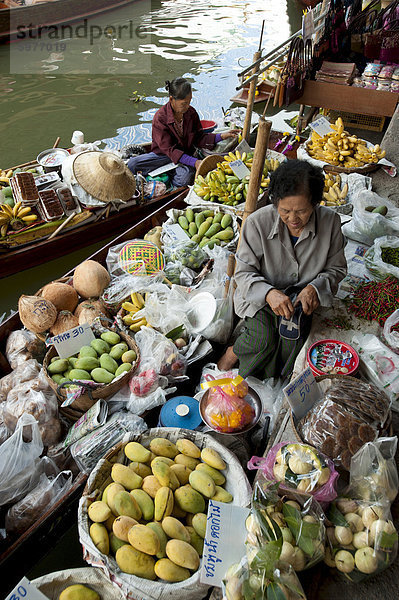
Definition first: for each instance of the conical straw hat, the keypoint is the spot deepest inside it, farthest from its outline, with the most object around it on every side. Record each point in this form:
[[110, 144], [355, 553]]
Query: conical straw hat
[[104, 176]]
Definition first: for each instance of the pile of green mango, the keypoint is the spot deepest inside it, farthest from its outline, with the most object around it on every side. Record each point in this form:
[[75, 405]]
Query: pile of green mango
[[207, 228], [102, 361]]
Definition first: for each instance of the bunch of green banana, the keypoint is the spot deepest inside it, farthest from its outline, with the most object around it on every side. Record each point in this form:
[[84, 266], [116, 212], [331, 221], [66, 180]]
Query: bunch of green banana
[[207, 228]]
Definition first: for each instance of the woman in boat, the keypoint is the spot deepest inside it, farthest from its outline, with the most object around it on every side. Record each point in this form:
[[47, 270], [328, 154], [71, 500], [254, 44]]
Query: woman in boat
[[290, 260], [176, 133]]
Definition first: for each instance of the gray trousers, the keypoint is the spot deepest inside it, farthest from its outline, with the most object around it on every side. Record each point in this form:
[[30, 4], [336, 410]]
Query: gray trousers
[[182, 176]]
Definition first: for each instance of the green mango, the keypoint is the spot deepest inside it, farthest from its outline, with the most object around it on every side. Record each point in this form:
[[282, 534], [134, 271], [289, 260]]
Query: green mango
[[87, 363], [79, 374], [58, 366], [102, 375], [100, 346], [117, 351], [111, 337], [87, 351], [108, 363], [123, 369]]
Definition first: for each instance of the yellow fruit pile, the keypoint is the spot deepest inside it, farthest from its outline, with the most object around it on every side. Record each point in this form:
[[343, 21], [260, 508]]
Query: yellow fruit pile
[[166, 487], [16, 218], [133, 307], [333, 194], [339, 148]]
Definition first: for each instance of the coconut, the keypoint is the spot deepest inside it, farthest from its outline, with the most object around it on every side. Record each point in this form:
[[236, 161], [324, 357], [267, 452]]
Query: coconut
[[37, 314], [89, 309], [90, 279], [62, 295], [65, 321]]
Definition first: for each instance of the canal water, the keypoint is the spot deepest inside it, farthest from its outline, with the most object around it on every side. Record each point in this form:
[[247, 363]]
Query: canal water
[[110, 74]]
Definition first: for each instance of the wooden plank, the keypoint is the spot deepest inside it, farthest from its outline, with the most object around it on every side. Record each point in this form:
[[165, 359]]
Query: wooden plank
[[349, 99]]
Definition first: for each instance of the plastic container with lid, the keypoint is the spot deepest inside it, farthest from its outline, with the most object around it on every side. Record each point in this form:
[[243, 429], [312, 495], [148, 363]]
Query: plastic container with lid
[[180, 411], [50, 205], [332, 357]]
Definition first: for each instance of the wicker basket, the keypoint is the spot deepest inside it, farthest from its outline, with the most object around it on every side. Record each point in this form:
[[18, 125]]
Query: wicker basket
[[208, 164], [135, 587], [75, 410], [337, 169], [386, 428]]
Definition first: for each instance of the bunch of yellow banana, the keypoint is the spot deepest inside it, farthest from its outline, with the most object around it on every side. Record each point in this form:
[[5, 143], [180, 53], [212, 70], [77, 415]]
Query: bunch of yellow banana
[[339, 148], [5, 175], [333, 194], [222, 186], [135, 323], [16, 217]]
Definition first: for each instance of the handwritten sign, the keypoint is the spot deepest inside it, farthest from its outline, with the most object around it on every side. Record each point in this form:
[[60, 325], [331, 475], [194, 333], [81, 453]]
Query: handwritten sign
[[25, 590], [321, 126], [302, 393], [224, 542], [175, 233], [239, 169], [243, 146], [71, 341]]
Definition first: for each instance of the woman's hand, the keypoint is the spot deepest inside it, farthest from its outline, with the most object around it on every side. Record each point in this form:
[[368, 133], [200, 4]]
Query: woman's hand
[[198, 164], [309, 299], [280, 304], [230, 134]]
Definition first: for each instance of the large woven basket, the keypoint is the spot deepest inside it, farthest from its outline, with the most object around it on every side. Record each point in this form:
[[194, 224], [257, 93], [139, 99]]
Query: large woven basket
[[135, 587], [208, 164], [75, 410]]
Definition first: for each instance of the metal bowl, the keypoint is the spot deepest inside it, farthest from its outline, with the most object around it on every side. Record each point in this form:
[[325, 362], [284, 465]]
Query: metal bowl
[[52, 159], [252, 398]]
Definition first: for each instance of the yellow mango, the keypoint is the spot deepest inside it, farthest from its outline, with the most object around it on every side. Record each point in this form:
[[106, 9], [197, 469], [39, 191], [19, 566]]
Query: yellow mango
[[109, 522], [115, 543], [222, 495], [188, 448], [145, 503], [163, 503], [175, 529], [134, 562], [78, 592], [136, 452], [126, 505], [141, 469], [216, 475], [144, 539], [122, 525], [99, 535], [164, 459], [203, 483], [126, 476], [212, 458], [182, 459], [174, 481], [189, 499], [182, 473], [161, 472], [199, 524], [151, 485], [182, 554], [111, 491], [196, 540], [99, 511], [177, 512], [163, 540], [167, 570], [163, 447]]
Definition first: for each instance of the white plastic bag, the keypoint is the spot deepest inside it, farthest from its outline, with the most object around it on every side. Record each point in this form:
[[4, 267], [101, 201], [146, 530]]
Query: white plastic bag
[[22, 345], [373, 474], [392, 336], [25, 371], [374, 261], [366, 226], [19, 460]]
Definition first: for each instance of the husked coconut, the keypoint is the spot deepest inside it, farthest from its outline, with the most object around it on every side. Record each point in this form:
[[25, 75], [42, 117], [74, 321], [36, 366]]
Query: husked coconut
[[65, 321], [37, 314], [90, 279], [62, 295]]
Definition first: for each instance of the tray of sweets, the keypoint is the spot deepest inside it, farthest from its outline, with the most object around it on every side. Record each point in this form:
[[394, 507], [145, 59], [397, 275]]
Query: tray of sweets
[[24, 188], [68, 201], [50, 205], [47, 179]]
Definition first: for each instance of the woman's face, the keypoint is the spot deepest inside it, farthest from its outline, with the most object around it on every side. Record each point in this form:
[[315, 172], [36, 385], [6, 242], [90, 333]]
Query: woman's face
[[295, 212], [181, 106]]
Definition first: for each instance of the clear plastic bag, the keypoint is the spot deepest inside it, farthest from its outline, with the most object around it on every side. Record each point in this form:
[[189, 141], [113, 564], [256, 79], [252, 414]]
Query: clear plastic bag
[[373, 474], [290, 526], [186, 252], [374, 259], [366, 226], [391, 330], [362, 538], [227, 409], [258, 582], [22, 345], [299, 467], [37, 398], [159, 353], [27, 511], [24, 371], [4, 433], [19, 460], [117, 268]]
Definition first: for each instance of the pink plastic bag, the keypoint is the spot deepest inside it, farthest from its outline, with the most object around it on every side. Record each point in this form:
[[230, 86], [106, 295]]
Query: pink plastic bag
[[301, 467]]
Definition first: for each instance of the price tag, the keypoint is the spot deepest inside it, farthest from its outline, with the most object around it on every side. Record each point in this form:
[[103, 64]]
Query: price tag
[[224, 542], [71, 341], [243, 146], [239, 169], [302, 393], [175, 233], [25, 590], [321, 126]]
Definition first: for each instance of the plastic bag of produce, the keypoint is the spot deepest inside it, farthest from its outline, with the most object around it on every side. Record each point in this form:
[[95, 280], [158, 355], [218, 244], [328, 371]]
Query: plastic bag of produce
[[27, 511], [186, 252], [25, 371], [285, 524], [362, 537], [391, 330], [299, 467], [38, 399], [366, 225], [382, 259], [373, 474], [161, 354], [262, 580], [4, 433], [19, 460], [22, 345], [227, 409]]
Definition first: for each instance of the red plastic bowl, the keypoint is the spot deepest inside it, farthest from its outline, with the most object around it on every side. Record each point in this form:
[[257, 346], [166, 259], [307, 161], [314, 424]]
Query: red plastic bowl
[[327, 357], [208, 126]]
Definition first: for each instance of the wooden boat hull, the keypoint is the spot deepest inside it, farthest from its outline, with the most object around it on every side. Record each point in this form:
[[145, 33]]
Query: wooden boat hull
[[54, 12]]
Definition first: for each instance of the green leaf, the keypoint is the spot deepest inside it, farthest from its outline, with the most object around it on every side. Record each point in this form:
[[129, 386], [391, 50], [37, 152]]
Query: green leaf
[[311, 530], [247, 591], [306, 545], [293, 518], [175, 333], [267, 557], [291, 477], [335, 516], [387, 540], [268, 525], [274, 592]]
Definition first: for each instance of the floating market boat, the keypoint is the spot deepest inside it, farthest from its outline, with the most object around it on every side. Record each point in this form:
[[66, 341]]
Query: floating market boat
[[18, 20]]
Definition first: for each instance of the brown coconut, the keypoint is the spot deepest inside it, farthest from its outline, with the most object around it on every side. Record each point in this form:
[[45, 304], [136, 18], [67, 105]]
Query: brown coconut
[[90, 279], [65, 321], [37, 314], [89, 309], [62, 295]]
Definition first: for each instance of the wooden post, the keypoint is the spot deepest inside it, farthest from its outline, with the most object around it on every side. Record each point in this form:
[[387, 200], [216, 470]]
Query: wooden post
[[251, 97], [262, 142]]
